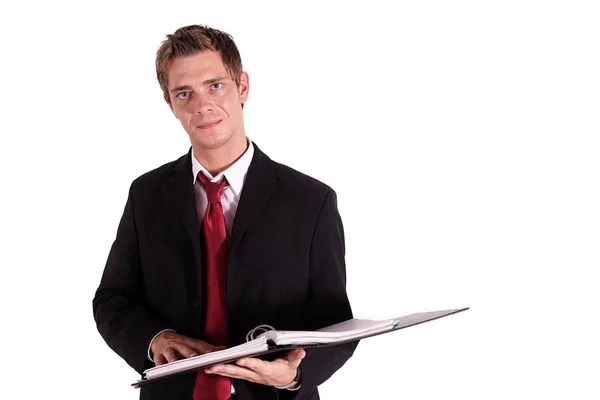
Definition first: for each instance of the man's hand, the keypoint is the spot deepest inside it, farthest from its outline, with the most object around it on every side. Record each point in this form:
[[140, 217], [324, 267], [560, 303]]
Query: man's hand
[[170, 346], [279, 372]]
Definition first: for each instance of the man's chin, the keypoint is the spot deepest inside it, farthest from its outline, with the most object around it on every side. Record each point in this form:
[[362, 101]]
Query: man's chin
[[210, 142]]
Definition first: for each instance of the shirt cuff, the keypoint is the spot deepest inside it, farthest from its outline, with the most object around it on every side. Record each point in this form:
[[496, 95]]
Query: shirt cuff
[[150, 345], [295, 387], [292, 387]]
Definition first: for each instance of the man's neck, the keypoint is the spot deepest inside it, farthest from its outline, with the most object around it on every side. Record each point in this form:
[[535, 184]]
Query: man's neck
[[218, 160]]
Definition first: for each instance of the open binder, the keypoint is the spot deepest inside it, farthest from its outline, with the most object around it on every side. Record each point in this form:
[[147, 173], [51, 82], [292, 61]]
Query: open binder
[[279, 340]]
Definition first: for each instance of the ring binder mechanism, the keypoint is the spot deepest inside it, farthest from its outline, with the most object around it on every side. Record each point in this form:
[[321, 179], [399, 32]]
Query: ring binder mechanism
[[251, 332], [273, 340]]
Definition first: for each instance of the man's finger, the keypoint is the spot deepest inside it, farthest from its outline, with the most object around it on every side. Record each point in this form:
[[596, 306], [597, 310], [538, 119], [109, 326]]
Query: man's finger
[[255, 364], [296, 355], [170, 355], [194, 343], [159, 359], [233, 371], [202, 347], [184, 350], [294, 358]]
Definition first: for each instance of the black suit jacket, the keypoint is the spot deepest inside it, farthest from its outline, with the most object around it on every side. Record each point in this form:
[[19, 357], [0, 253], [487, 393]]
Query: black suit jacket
[[285, 268]]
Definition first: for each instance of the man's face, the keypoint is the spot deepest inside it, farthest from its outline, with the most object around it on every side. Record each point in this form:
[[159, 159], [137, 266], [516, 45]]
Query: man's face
[[206, 100]]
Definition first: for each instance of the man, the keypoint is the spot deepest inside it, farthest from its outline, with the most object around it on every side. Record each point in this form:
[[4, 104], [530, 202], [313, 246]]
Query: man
[[220, 241]]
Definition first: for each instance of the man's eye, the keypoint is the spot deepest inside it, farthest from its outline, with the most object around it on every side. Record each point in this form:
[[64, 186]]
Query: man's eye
[[183, 95], [217, 86]]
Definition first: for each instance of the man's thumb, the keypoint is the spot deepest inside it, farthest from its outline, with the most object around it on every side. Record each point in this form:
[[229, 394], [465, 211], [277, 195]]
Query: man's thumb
[[296, 355]]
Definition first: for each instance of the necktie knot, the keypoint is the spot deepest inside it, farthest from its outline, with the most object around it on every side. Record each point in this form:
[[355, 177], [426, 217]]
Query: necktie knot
[[214, 190]]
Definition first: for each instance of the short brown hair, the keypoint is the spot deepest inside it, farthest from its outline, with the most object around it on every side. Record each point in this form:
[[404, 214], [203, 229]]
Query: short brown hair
[[193, 39]]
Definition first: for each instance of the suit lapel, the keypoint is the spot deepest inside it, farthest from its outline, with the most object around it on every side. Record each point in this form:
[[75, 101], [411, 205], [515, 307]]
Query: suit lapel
[[258, 186], [180, 191]]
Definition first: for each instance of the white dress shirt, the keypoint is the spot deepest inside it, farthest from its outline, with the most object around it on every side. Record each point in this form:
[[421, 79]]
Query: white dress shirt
[[235, 175]]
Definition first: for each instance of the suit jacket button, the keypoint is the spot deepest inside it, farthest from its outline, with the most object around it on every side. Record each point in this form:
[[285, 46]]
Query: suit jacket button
[[196, 304]]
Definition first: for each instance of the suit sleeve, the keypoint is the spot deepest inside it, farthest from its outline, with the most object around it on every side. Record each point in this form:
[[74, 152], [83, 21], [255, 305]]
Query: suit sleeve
[[122, 315], [327, 301]]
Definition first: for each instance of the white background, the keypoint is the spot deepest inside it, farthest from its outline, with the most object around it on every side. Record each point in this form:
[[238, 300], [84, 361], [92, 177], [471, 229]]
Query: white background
[[470, 127]]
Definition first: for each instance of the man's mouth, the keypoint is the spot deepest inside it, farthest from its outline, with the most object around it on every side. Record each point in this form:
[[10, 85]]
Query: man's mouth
[[209, 125]]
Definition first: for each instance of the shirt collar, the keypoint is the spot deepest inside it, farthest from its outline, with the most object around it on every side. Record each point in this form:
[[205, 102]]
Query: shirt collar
[[235, 174]]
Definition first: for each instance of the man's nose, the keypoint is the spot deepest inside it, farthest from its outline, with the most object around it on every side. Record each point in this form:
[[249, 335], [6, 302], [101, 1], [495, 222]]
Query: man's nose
[[201, 104]]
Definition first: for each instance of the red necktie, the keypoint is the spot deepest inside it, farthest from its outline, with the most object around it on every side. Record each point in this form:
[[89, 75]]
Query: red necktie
[[208, 386]]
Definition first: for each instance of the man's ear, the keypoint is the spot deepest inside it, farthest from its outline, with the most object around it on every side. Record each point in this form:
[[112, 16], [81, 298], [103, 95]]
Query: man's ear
[[244, 87]]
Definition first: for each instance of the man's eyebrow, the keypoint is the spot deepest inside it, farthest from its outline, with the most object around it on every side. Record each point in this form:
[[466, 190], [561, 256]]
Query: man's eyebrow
[[178, 88], [206, 82], [213, 80]]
